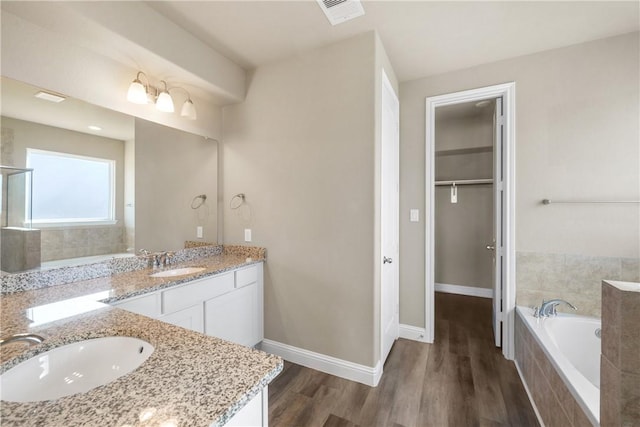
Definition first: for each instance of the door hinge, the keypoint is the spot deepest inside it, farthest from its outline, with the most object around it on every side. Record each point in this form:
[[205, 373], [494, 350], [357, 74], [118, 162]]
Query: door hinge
[[500, 120]]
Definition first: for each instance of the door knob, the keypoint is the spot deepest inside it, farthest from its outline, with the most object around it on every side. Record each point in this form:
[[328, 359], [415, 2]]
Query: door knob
[[386, 260], [491, 247]]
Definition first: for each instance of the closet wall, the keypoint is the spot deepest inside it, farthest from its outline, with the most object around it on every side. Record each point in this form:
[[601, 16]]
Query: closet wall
[[464, 150]]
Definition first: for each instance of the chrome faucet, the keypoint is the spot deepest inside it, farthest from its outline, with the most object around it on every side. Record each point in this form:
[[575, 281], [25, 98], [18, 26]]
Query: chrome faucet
[[548, 308], [162, 258], [33, 338]]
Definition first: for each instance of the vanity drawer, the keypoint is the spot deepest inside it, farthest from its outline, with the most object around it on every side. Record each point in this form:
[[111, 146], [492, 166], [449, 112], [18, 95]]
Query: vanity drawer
[[147, 305], [195, 292], [246, 276]]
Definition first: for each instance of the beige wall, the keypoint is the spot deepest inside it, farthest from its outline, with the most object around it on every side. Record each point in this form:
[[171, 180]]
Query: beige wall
[[302, 148], [576, 138], [463, 229], [171, 168]]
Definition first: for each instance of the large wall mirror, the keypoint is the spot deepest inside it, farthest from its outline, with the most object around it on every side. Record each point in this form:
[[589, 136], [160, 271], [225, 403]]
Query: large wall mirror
[[81, 183]]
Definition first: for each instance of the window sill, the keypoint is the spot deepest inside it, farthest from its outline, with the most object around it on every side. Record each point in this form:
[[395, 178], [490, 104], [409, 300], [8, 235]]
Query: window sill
[[71, 224]]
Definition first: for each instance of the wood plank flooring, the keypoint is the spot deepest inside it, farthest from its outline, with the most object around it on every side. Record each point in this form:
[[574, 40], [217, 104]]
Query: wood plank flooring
[[461, 379]]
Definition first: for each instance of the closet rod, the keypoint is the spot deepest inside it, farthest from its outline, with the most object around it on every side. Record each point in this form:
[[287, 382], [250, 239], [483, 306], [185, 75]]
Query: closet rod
[[465, 182], [548, 202]]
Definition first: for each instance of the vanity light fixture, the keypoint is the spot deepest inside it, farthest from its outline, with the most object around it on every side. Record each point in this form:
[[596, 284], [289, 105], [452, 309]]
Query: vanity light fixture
[[164, 101], [188, 110], [140, 93], [137, 91]]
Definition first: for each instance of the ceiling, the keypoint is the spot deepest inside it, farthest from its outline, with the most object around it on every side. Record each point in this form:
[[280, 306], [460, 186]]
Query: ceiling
[[422, 38], [19, 102]]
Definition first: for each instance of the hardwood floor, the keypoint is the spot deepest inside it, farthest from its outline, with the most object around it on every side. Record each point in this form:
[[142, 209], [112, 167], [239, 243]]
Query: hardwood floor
[[461, 379]]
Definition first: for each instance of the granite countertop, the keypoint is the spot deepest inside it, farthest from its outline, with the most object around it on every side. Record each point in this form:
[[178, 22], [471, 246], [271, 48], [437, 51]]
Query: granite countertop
[[190, 379]]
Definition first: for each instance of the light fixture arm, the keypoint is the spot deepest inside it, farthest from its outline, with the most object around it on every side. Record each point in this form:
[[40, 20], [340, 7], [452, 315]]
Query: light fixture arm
[[179, 87], [140, 73]]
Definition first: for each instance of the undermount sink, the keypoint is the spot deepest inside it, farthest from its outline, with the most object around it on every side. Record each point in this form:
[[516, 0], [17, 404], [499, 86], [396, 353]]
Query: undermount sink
[[73, 368], [178, 272]]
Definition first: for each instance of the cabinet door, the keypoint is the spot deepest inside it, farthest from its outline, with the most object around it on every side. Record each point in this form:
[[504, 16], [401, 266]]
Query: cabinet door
[[233, 316], [254, 413], [188, 318]]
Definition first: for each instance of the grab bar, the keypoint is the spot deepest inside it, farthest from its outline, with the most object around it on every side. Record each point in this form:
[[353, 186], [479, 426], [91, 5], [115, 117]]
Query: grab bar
[[548, 202]]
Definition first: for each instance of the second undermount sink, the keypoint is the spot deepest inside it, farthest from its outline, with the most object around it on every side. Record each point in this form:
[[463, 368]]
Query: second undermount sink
[[73, 368], [178, 272]]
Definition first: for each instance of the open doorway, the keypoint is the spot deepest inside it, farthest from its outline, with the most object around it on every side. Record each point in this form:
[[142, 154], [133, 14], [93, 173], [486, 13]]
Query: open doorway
[[470, 184]]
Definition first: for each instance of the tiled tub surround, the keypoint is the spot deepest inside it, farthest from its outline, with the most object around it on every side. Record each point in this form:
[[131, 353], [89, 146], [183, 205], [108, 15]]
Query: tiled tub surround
[[190, 378], [575, 278], [74, 242], [556, 401], [620, 362]]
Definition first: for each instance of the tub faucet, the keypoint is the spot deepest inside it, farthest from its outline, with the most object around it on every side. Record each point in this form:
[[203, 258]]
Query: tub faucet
[[548, 308]]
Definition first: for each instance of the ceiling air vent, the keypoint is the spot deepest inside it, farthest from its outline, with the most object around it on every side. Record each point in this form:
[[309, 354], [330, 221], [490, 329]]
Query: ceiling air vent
[[339, 11]]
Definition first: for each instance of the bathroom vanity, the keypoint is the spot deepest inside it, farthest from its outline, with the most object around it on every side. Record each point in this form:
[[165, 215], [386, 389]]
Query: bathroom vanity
[[203, 370], [227, 305]]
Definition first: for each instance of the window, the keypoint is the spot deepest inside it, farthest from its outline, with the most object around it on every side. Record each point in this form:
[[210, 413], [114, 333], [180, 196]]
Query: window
[[71, 189]]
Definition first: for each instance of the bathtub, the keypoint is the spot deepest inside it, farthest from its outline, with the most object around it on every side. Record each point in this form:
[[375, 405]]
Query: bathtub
[[572, 347]]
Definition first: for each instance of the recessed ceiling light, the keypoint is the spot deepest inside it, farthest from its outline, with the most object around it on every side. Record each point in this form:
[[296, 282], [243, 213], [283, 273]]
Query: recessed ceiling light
[[52, 97], [94, 127]]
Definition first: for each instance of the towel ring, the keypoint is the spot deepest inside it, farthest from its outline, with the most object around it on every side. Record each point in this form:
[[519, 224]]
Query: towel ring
[[236, 201], [194, 202]]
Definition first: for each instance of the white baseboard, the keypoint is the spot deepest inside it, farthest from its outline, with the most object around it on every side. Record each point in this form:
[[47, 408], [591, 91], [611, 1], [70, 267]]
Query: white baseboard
[[464, 290], [412, 333], [341, 368]]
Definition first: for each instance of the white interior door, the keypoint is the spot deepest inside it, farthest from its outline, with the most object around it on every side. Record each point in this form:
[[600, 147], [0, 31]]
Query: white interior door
[[389, 310], [498, 241]]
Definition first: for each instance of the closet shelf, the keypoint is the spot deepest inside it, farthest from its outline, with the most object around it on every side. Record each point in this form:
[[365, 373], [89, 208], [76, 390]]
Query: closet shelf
[[465, 182], [473, 150]]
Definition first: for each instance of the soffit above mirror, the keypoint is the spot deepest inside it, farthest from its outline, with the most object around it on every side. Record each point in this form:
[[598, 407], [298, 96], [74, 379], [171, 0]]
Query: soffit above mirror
[[19, 102], [159, 47]]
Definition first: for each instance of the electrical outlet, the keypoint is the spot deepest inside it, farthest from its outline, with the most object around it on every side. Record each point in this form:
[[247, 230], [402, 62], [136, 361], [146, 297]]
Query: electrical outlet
[[414, 215], [199, 233], [247, 234]]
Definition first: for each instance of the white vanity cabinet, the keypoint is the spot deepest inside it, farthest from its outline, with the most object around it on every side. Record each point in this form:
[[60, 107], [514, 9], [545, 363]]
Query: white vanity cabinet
[[237, 316], [228, 305], [255, 412]]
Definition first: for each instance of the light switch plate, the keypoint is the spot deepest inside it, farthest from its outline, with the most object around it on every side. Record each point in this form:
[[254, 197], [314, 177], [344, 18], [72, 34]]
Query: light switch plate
[[247, 234], [414, 215]]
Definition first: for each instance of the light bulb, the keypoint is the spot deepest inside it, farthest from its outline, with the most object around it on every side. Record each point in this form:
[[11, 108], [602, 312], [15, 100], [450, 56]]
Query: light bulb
[[165, 102], [188, 110], [137, 92]]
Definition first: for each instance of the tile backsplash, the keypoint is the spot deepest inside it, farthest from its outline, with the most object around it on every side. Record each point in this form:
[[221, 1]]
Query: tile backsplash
[[575, 278]]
